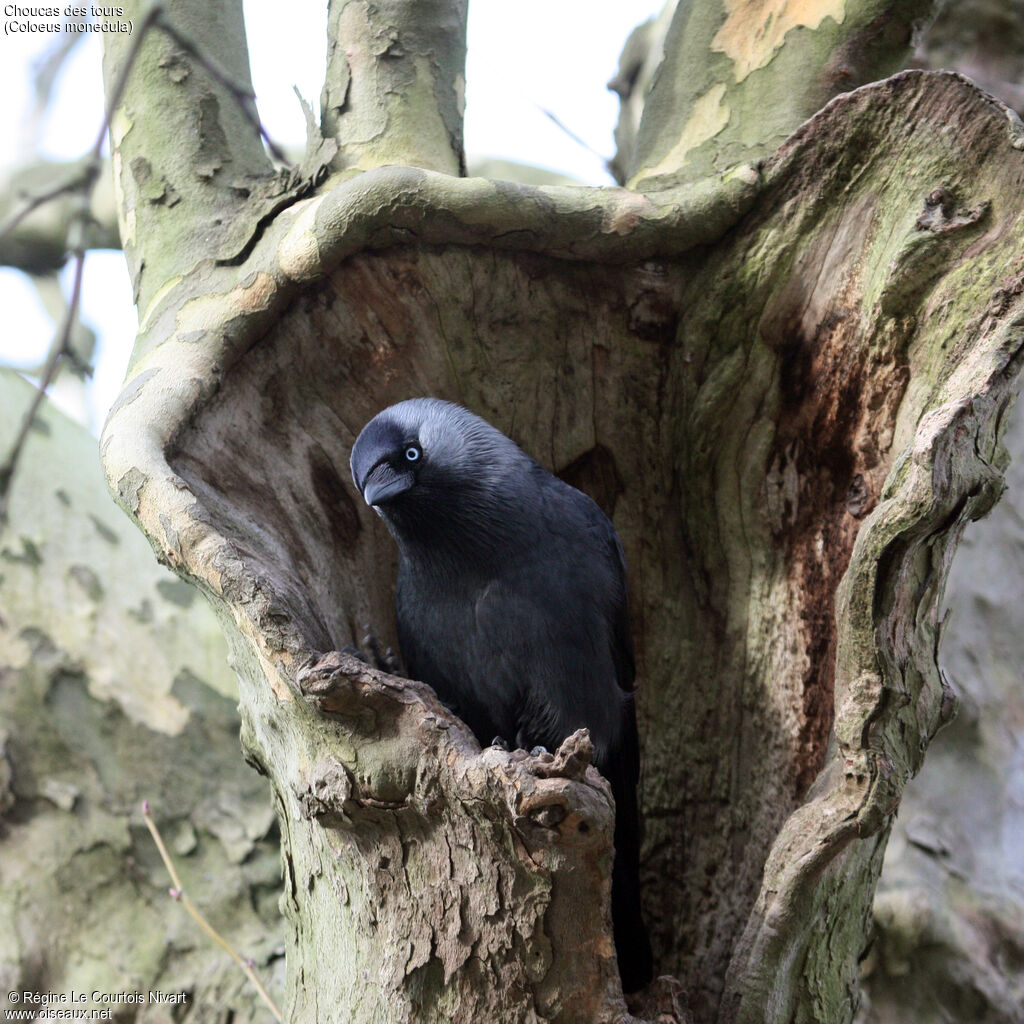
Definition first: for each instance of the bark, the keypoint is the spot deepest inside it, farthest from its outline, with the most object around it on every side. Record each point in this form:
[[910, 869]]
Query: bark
[[738, 77], [114, 688], [785, 382], [949, 914], [638, 64], [395, 85]]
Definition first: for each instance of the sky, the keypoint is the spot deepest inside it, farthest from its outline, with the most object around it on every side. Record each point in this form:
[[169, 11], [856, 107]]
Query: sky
[[521, 59]]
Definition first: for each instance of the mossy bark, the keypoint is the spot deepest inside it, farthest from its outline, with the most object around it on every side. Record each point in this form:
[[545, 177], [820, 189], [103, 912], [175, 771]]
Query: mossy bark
[[785, 384]]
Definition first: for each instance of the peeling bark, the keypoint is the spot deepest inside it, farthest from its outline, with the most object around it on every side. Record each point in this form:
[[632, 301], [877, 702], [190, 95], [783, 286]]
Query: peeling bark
[[395, 87], [784, 383], [738, 77]]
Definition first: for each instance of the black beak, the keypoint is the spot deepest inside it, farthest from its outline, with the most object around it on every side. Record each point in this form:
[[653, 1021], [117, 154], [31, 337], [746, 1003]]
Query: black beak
[[383, 483]]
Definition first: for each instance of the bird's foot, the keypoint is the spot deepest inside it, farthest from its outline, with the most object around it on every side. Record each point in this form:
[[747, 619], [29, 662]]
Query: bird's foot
[[571, 759], [371, 652]]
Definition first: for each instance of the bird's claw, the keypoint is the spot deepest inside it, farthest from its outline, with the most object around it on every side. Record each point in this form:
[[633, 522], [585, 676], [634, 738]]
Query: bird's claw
[[370, 652]]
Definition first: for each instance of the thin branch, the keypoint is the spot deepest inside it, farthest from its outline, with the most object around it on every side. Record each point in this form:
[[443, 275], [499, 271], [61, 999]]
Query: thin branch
[[61, 347], [178, 893], [83, 183], [83, 177], [45, 71], [559, 123]]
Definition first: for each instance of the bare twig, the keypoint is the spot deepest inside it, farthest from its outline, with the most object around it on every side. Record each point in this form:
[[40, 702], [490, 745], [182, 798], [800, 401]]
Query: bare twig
[[559, 123], [61, 347], [83, 183], [82, 177], [45, 71], [178, 893]]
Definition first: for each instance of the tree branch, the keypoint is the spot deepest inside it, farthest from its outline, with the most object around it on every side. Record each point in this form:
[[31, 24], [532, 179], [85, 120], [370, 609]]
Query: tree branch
[[37, 206], [395, 86], [183, 178], [739, 77], [61, 349], [179, 894]]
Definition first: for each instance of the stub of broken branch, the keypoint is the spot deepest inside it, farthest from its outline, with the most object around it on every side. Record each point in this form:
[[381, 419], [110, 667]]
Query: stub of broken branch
[[392, 757]]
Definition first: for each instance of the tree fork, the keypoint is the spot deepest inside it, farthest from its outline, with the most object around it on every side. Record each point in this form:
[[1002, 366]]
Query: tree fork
[[790, 410]]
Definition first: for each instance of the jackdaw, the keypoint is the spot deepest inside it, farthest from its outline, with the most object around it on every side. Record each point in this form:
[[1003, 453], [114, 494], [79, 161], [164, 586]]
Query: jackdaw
[[511, 604]]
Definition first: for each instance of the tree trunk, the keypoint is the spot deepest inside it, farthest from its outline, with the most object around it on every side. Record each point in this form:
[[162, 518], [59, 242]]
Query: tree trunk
[[784, 379]]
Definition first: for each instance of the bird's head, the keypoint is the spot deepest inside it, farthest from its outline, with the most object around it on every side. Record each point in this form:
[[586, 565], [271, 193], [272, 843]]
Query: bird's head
[[425, 456]]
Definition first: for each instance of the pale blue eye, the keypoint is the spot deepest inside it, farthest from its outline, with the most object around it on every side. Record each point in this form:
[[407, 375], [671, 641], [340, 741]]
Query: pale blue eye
[[412, 453]]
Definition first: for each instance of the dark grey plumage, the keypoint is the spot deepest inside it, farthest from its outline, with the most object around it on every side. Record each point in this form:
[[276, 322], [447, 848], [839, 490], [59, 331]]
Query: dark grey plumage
[[511, 604]]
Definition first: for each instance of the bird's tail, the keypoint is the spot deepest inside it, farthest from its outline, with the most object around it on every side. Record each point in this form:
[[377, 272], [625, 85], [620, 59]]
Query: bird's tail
[[632, 945]]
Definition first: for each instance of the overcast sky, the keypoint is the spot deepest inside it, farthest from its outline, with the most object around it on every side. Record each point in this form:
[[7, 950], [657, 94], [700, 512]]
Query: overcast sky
[[554, 54]]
